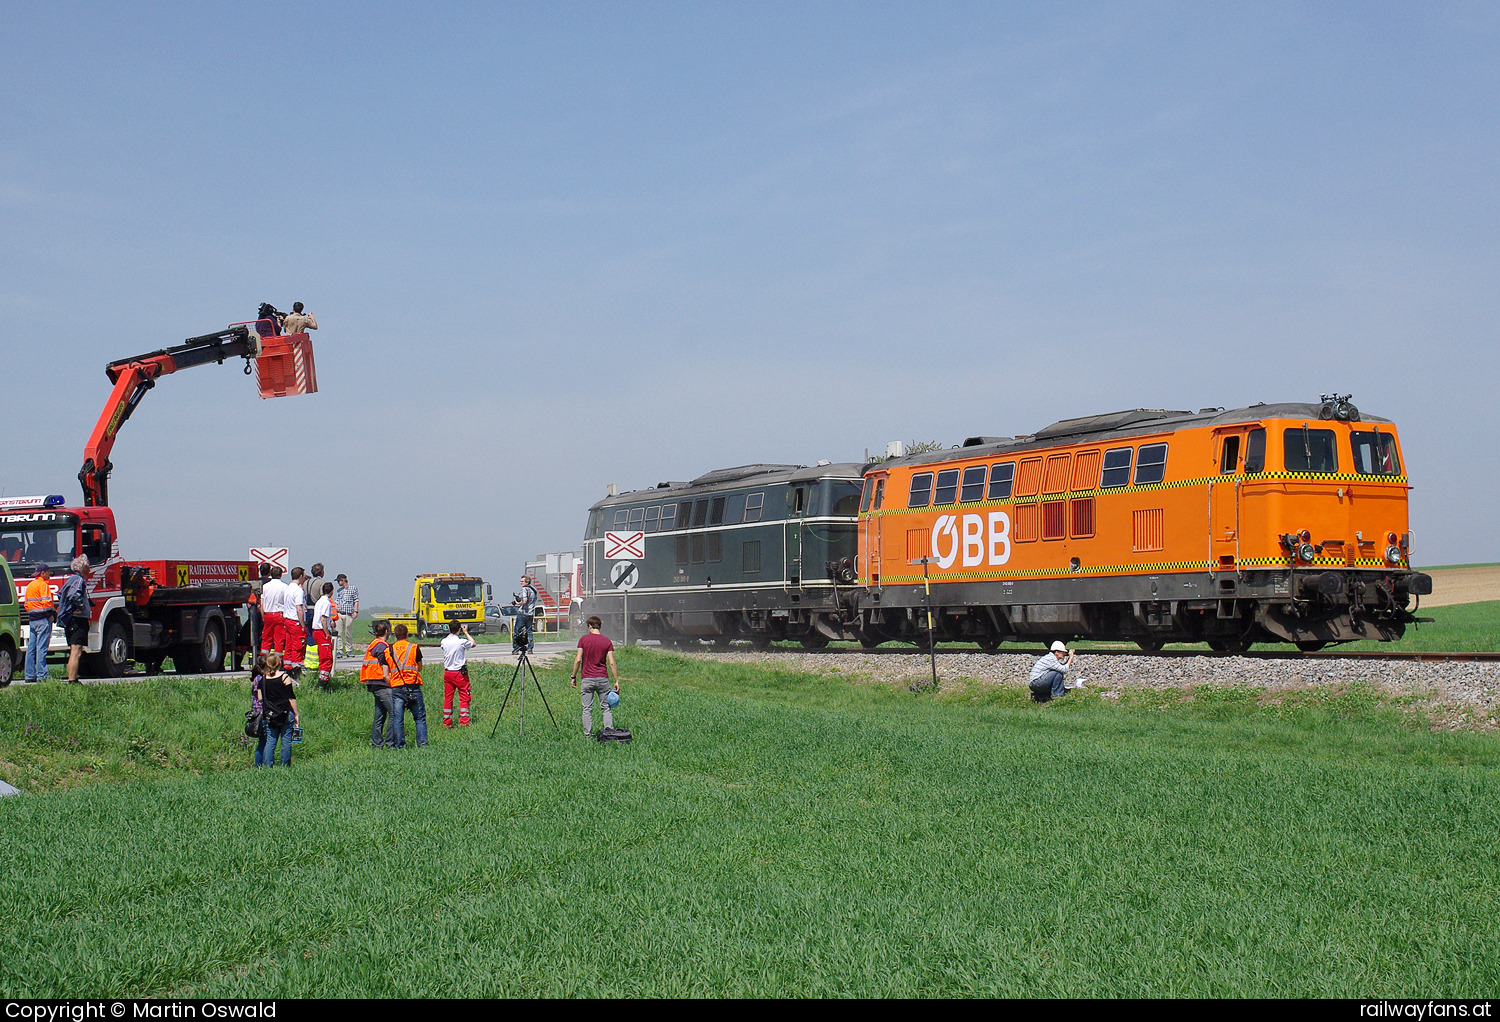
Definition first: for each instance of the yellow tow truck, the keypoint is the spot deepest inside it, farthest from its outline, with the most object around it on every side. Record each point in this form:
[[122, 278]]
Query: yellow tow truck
[[440, 597]]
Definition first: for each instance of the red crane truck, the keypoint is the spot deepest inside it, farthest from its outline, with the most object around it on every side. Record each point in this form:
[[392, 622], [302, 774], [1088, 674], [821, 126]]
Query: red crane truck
[[193, 611]]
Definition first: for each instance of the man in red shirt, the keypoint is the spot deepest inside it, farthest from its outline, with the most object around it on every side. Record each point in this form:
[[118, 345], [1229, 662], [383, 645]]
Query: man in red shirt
[[596, 659]]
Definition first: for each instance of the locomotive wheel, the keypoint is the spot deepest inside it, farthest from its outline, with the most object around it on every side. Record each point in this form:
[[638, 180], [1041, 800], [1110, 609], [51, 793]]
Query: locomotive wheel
[[989, 645], [868, 641], [1229, 645], [1150, 645], [1311, 645]]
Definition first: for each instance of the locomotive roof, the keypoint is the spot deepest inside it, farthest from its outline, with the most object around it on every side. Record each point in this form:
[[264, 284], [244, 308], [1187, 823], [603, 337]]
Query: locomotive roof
[[1118, 425], [741, 475]]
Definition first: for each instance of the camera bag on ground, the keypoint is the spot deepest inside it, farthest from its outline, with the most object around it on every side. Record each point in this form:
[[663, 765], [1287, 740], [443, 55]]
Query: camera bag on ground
[[613, 734]]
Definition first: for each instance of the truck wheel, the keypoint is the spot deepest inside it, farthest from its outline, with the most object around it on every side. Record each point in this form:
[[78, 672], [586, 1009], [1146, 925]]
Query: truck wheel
[[7, 664], [205, 656], [114, 655]]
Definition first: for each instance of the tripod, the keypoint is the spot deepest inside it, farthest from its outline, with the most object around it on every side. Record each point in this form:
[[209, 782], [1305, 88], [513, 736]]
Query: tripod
[[523, 660]]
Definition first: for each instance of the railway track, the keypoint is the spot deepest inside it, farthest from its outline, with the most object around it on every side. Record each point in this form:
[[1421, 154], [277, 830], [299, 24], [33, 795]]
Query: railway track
[[1470, 656]]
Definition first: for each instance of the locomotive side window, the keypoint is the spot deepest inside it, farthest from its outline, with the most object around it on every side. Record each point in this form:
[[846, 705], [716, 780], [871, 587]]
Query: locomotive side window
[[684, 515], [1001, 477], [946, 490], [1151, 464], [973, 484], [1375, 454], [637, 515], [1310, 450], [653, 519], [753, 505], [921, 490], [1031, 477], [716, 512], [620, 520], [593, 529], [1086, 471], [1255, 451], [869, 495], [734, 510], [1117, 467], [1231, 455]]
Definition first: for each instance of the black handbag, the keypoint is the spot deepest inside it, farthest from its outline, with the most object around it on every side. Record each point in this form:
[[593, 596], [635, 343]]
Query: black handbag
[[255, 723]]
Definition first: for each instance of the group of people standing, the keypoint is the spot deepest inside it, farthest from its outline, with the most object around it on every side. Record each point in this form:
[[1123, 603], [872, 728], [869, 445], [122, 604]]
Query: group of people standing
[[392, 673], [300, 618], [69, 611]]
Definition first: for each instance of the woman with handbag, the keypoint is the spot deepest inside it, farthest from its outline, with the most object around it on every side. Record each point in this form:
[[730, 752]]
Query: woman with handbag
[[279, 703]]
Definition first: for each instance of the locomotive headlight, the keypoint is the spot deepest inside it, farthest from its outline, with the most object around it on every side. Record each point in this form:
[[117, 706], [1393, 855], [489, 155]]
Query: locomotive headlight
[[1393, 555], [1307, 552]]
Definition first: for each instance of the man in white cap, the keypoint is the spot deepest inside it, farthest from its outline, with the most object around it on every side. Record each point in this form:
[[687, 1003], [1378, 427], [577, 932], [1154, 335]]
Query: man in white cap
[[1049, 676]]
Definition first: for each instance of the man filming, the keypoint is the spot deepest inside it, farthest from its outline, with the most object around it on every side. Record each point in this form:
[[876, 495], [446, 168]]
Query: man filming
[[525, 602]]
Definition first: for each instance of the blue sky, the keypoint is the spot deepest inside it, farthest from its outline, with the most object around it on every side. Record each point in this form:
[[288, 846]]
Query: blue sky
[[557, 246]]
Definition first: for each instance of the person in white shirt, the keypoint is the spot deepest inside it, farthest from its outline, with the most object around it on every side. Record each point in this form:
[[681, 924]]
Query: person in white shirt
[[293, 630], [323, 617], [1049, 674], [272, 602], [456, 645]]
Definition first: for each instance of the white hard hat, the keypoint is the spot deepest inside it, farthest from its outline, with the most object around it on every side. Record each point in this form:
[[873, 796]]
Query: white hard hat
[[1059, 646]]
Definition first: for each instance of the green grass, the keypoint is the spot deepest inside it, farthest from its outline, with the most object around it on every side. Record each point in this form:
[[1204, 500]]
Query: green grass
[[768, 833]]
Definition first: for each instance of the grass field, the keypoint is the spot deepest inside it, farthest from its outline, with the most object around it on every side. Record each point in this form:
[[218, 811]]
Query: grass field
[[766, 834]]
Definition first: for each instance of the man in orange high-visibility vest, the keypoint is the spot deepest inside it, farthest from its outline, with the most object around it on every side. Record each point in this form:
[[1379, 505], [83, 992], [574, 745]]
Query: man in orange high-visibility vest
[[40, 611], [406, 689]]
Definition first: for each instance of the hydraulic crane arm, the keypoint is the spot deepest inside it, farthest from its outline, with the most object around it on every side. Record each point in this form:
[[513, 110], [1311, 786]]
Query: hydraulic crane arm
[[133, 377]]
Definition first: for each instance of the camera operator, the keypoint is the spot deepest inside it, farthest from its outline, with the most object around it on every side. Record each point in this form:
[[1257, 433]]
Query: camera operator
[[525, 601]]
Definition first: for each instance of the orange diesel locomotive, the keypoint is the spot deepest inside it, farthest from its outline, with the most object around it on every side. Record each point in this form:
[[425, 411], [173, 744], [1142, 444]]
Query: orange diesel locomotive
[[1273, 523]]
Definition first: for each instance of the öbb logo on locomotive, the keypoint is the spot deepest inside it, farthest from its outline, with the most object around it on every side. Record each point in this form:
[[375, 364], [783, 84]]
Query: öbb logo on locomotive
[[1269, 523]]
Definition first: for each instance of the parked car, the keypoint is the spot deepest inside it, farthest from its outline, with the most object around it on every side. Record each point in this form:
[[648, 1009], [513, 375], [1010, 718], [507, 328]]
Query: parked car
[[10, 625], [500, 618]]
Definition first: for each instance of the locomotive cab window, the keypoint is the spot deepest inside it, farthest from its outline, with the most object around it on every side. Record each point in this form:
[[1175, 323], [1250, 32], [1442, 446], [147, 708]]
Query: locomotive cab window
[[637, 516], [921, 490], [1375, 453], [1255, 451], [1001, 478], [869, 495], [1310, 450], [973, 484], [1117, 467], [620, 520], [653, 519], [753, 505], [879, 492], [1229, 459], [946, 491], [845, 498], [1151, 464]]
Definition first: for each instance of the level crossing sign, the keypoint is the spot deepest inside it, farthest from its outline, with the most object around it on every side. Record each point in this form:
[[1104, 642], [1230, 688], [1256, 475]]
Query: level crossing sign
[[624, 575], [624, 544], [276, 557]]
